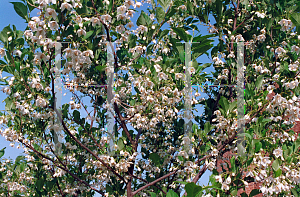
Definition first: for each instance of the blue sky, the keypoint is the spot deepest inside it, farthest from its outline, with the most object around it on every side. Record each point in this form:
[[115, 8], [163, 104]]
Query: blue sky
[[8, 16]]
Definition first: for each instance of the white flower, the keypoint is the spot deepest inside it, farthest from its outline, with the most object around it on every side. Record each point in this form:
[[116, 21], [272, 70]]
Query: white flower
[[138, 4], [163, 76], [2, 52], [178, 76], [295, 49], [239, 38], [293, 67], [121, 17], [260, 15], [40, 102], [120, 29], [128, 3], [285, 24], [214, 152], [81, 32], [165, 50], [152, 16], [88, 53], [183, 154], [192, 70], [17, 52], [225, 186], [157, 68], [142, 29], [218, 178], [185, 140], [280, 50], [66, 6], [278, 152], [41, 56], [130, 25], [50, 12], [130, 13], [228, 180], [106, 18], [6, 90], [183, 7], [95, 21], [28, 34], [53, 25], [122, 9]]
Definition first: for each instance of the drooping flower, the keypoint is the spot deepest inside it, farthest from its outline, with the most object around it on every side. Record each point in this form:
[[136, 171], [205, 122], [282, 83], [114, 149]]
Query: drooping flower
[[95, 21], [178, 76], [17, 52], [122, 9], [53, 25], [50, 12], [293, 67], [295, 49], [66, 6], [157, 68], [81, 32], [106, 18], [163, 76], [2, 52]]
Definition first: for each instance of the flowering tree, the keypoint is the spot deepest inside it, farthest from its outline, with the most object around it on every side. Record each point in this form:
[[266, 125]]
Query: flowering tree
[[151, 159]]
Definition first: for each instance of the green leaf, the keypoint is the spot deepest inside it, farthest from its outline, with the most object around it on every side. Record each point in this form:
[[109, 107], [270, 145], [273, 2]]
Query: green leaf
[[295, 18], [219, 6], [296, 145], [199, 50], [29, 6], [147, 18], [259, 81], [278, 173], [163, 33], [275, 165], [4, 35], [190, 8], [132, 40], [39, 184], [258, 146], [182, 34], [181, 158], [244, 195], [100, 68], [152, 194], [234, 192], [50, 185], [164, 3], [192, 189], [76, 115], [17, 64], [232, 162], [171, 193], [207, 127], [181, 182], [224, 103], [88, 34], [154, 157], [2, 152], [9, 104], [120, 144], [182, 56], [20, 9], [295, 193], [137, 66], [143, 19]]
